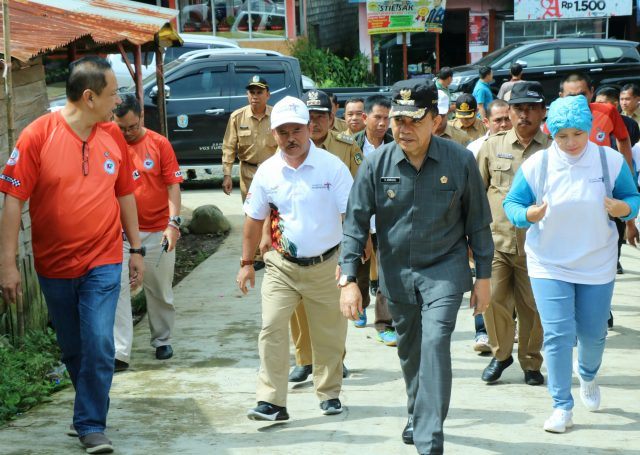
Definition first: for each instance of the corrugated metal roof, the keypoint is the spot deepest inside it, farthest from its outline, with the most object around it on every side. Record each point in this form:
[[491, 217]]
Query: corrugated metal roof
[[39, 26]]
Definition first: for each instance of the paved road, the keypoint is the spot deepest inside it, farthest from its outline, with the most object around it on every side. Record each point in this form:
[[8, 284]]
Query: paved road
[[195, 403]]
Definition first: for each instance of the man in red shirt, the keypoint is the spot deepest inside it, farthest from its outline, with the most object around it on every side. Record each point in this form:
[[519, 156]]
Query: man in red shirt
[[73, 167], [158, 202]]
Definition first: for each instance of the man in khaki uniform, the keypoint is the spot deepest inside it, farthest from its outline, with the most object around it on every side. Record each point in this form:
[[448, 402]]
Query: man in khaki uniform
[[443, 128], [466, 117], [248, 136], [630, 102], [339, 125], [499, 159], [344, 147]]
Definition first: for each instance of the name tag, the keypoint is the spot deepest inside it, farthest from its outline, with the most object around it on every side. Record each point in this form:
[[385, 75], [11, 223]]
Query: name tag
[[508, 156], [390, 179], [596, 180]]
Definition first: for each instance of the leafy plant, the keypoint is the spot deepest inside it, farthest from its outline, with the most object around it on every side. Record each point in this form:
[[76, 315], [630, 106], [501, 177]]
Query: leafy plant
[[329, 69], [29, 373]]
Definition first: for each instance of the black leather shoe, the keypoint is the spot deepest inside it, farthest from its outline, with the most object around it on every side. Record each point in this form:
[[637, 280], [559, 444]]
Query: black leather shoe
[[119, 365], [610, 320], [300, 373], [407, 433], [495, 368], [619, 269], [533, 377], [345, 371], [164, 352], [258, 265]]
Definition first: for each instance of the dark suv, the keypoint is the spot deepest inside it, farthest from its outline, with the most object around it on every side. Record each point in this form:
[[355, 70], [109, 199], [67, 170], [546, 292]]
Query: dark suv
[[606, 61], [201, 93]]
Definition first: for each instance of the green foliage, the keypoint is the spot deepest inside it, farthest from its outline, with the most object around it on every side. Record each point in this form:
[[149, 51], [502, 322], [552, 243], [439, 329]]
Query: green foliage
[[330, 70], [30, 373]]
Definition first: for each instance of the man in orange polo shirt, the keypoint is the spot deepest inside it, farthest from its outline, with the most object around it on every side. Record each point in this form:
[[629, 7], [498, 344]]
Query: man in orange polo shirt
[[75, 171], [158, 202]]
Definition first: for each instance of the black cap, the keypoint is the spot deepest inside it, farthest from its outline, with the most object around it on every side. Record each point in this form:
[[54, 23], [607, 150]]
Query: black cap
[[527, 92], [257, 81], [466, 106], [317, 100], [413, 98]]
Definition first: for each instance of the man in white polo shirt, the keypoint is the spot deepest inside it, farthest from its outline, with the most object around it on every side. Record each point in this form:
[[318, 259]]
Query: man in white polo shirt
[[304, 191]]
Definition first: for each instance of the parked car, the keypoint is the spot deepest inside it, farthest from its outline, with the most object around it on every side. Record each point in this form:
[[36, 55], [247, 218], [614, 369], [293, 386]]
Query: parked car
[[202, 92], [191, 43], [607, 61]]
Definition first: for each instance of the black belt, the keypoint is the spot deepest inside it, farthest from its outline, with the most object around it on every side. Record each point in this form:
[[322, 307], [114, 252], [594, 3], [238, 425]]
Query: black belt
[[305, 262]]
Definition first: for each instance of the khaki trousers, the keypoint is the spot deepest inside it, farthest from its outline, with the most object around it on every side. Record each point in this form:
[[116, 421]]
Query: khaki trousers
[[283, 286], [300, 326], [247, 172], [157, 284], [511, 288]]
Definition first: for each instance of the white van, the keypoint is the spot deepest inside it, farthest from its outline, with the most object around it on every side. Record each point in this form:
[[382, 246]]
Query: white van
[[191, 43]]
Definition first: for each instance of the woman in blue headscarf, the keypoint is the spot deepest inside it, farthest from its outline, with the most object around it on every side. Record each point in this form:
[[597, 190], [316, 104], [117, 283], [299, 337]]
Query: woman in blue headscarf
[[567, 196]]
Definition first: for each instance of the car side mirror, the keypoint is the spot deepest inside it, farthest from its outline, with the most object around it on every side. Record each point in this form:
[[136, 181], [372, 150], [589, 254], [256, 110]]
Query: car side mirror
[[153, 94], [522, 63]]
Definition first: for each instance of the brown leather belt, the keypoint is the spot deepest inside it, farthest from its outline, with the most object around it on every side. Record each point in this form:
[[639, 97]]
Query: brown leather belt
[[306, 262]]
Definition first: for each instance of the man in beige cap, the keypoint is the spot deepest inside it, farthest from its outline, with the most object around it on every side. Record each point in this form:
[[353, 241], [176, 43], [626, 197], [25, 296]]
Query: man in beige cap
[[466, 117]]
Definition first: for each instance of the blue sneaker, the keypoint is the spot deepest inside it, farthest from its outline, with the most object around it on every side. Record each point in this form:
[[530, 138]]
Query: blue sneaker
[[387, 337], [362, 322]]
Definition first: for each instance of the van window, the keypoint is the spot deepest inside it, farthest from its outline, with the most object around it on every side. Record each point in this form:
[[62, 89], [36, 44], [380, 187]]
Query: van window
[[578, 56], [613, 54], [540, 58], [273, 74], [206, 83]]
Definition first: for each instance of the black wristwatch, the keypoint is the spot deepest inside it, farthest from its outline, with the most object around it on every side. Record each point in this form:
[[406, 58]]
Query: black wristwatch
[[176, 219], [141, 251]]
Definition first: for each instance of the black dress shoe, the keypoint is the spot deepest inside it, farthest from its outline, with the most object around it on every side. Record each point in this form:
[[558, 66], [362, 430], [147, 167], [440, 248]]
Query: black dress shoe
[[345, 371], [495, 368], [407, 433], [119, 365], [533, 377], [164, 352], [610, 320], [300, 373]]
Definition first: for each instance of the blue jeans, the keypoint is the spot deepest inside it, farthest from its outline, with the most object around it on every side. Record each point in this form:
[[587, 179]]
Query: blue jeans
[[567, 311], [478, 320], [83, 311]]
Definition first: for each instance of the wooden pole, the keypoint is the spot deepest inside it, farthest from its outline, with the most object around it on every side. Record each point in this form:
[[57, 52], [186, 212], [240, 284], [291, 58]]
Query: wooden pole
[[137, 62], [8, 82], [11, 129], [405, 64], [162, 110]]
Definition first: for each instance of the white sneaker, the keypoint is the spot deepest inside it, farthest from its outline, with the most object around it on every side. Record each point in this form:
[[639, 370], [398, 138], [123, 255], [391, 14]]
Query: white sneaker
[[481, 343], [559, 421], [589, 391]]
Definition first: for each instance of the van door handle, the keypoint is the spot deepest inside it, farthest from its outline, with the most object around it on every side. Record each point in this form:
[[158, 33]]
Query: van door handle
[[593, 70], [549, 72], [214, 111]]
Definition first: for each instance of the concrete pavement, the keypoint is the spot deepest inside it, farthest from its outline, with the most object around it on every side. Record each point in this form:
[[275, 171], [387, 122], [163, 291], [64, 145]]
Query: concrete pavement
[[195, 403]]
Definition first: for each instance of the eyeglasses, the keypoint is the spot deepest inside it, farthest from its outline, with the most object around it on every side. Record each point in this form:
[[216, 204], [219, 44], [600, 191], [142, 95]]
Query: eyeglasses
[[130, 129], [85, 159]]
